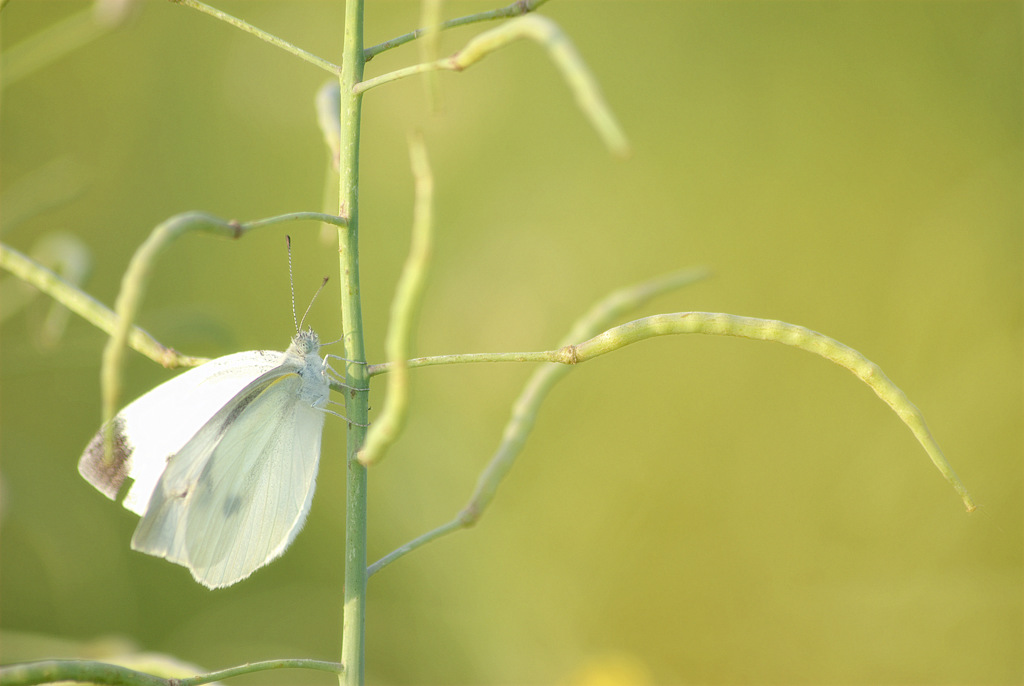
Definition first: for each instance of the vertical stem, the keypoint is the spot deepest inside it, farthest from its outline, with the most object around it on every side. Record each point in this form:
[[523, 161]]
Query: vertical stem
[[352, 649]]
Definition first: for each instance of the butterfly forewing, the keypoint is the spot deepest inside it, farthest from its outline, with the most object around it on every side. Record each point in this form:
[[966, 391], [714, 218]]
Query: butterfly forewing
[[158, 424]]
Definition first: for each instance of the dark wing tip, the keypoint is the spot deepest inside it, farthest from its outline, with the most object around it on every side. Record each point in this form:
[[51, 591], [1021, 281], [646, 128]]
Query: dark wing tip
[[107, 474]]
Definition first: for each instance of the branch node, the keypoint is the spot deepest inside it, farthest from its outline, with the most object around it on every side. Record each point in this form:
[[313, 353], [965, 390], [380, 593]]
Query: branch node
[[568, 355]]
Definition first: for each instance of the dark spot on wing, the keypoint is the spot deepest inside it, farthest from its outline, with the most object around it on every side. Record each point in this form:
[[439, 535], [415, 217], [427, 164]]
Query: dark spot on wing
[[232, 505], [107, 474]]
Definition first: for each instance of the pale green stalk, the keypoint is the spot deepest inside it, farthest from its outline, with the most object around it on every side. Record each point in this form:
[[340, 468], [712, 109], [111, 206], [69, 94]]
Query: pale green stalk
[[527, 405], [404, 311], [542, 30], [513, 10], [50, 671], [430, 48], [353, 637], [557, 355], [262, 35]]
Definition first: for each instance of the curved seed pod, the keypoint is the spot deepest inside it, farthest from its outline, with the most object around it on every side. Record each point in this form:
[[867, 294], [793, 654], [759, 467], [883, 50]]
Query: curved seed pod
[[718, 324]]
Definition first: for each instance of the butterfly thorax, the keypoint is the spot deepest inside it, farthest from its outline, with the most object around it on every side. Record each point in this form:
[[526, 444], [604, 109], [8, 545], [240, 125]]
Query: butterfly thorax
[[303, 358]]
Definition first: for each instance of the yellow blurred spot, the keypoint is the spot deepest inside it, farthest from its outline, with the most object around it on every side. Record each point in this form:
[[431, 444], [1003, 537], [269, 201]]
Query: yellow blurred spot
[[611, 669]]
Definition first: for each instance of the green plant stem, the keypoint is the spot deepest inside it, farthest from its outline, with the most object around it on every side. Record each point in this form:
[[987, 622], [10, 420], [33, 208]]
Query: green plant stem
[[49, 671], [356, 402], [261, 34], [430, 49], [513, 10]]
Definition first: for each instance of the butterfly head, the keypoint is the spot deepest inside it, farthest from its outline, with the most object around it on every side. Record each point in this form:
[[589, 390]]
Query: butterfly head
[[305, 342]]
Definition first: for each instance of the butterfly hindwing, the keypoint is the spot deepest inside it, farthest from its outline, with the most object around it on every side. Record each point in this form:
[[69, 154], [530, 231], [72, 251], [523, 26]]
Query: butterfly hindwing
[[257, 488], [237, 494], [162, 527]]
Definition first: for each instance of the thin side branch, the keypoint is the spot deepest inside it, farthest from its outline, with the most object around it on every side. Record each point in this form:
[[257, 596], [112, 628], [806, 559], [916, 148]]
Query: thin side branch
[[558, 356], [262, 35], [527, 405], [514, 10], [562, 52]]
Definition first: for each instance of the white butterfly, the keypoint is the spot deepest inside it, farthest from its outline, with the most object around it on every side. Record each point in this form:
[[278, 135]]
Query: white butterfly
[[223, 459]]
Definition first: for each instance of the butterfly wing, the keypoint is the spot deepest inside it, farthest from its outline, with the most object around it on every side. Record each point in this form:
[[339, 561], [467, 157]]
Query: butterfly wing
[[157, 425], [238, 492]]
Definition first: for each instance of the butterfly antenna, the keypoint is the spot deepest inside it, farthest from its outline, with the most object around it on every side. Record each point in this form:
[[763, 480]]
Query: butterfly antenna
[[291, 281], [313, 300]]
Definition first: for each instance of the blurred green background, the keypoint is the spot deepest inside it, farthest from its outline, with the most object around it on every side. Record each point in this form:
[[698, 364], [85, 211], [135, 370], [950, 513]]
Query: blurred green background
[[688, 510]]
